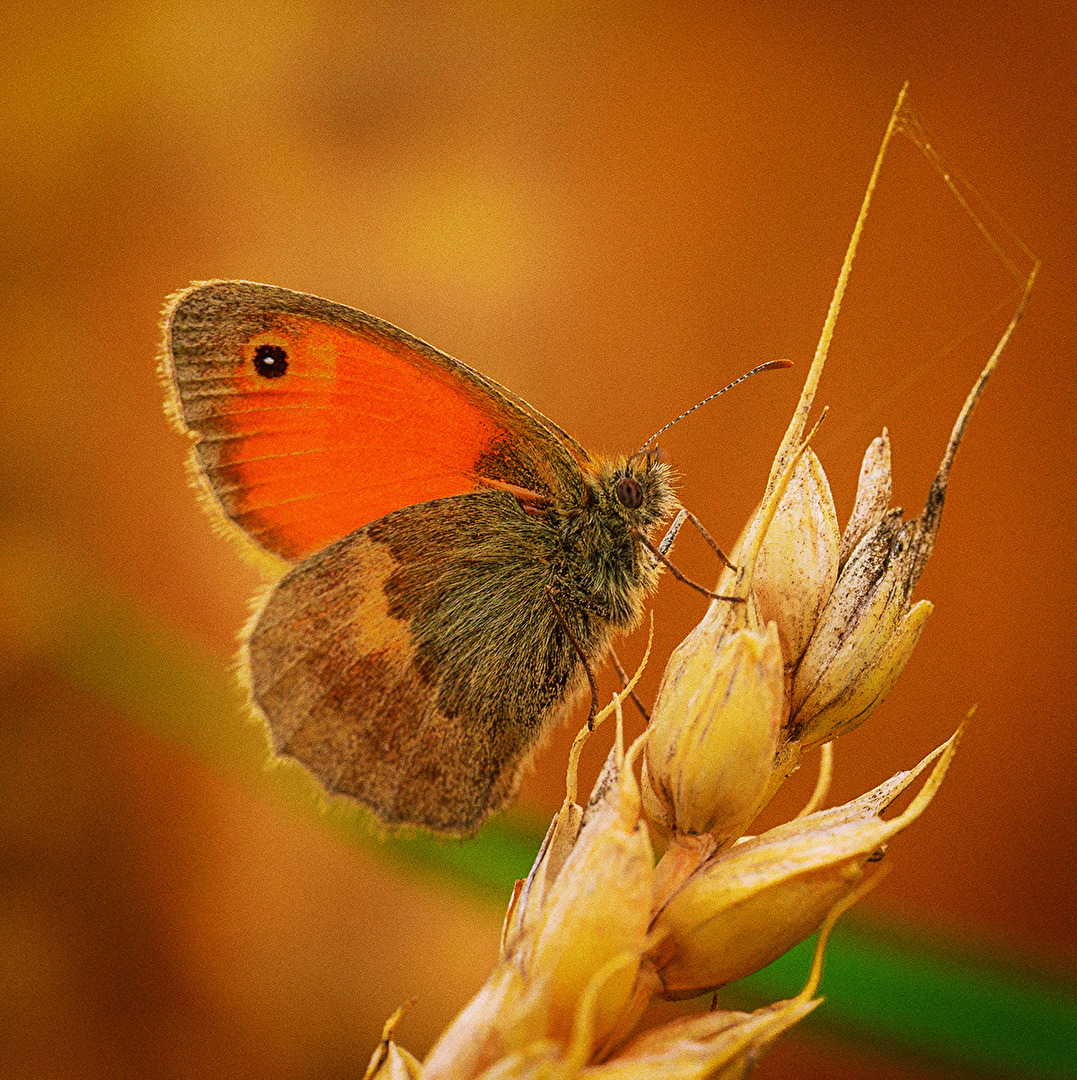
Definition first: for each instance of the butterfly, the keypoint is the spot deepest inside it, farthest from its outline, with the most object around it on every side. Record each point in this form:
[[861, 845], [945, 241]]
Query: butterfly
[[457, 564]]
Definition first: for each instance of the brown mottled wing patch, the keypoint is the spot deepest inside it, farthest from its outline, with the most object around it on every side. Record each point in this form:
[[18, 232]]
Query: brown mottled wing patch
[[415, 663]]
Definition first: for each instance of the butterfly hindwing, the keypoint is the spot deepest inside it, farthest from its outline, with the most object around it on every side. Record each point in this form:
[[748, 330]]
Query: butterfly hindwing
[[415, 663]]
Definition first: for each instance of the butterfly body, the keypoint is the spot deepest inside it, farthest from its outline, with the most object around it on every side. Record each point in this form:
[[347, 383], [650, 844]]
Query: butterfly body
[[452, 552]]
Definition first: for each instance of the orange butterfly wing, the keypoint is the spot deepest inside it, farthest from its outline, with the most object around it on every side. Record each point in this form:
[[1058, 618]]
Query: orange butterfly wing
[[315, 419]]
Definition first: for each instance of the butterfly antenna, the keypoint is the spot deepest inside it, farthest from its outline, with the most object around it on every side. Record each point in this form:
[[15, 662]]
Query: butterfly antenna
[[770, 365]]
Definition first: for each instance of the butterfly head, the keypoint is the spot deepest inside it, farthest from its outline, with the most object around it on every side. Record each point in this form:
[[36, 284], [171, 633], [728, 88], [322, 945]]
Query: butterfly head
[[638, 490]]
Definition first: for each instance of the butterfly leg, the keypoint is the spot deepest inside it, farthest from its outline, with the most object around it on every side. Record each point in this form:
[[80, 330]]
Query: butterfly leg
[[675, 528], [583, 657], [671, 533], [624, 682], [657, 553]]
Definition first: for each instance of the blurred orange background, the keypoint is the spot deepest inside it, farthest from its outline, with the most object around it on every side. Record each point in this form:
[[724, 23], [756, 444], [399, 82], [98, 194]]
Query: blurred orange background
[[614, 210]]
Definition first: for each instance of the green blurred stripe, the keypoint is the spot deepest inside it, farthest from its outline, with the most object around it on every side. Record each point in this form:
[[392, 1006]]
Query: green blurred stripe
[[924, 1000], [933, 1002]]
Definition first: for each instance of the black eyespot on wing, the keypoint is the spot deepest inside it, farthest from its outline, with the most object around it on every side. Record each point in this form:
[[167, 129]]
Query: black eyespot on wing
[[629, 493], [270, 361]]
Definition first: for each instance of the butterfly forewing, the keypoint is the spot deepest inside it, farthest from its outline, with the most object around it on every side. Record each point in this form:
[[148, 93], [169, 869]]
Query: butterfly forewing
[[315, 419]]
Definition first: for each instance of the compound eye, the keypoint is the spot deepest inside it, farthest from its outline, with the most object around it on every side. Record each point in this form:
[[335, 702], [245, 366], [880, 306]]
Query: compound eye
[[629, 493]]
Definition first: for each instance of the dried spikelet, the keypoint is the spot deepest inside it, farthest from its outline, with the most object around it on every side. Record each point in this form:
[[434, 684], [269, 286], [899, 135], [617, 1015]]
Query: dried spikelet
[[599, 930]]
